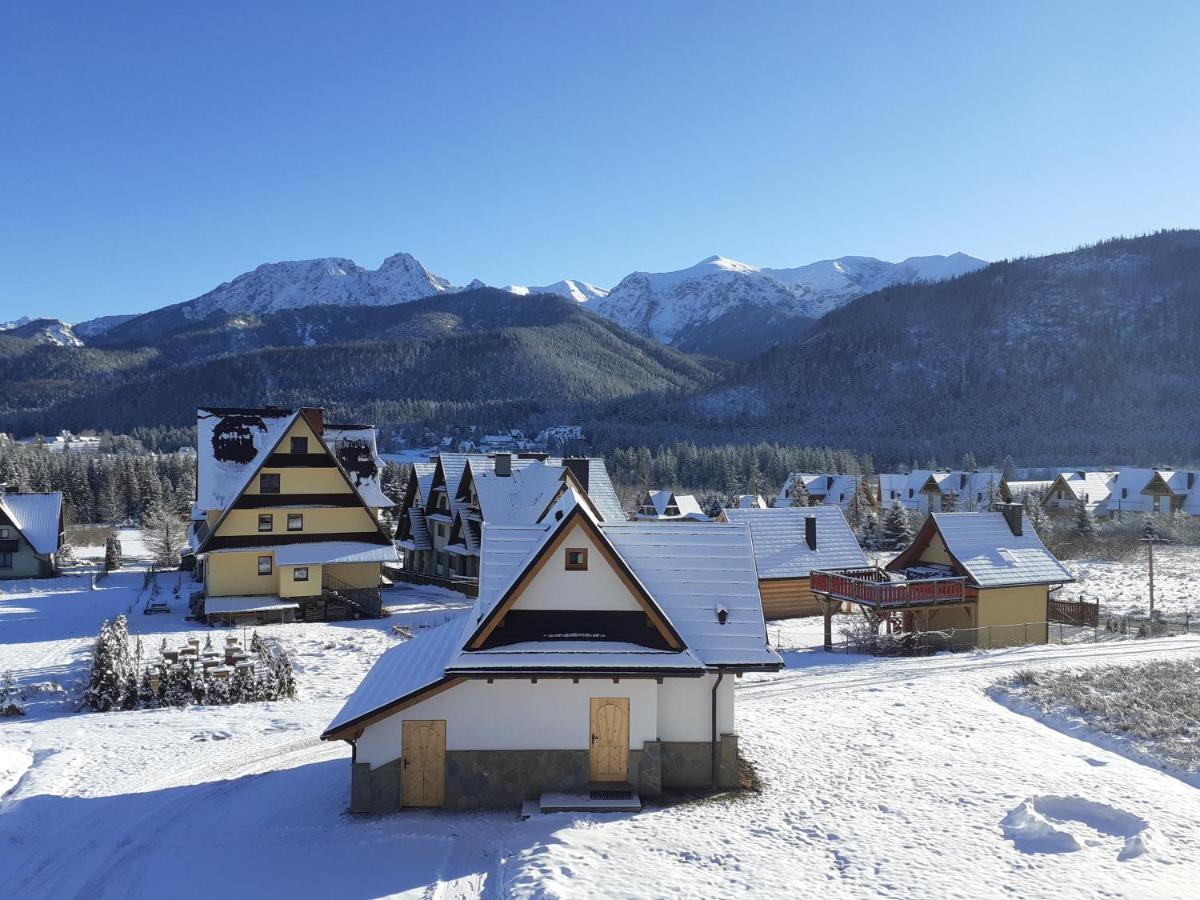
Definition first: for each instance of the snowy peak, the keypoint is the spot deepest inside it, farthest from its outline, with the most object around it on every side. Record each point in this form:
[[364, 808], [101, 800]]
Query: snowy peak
[[666, 305], [44, 331], [571, 288], [332, 281]]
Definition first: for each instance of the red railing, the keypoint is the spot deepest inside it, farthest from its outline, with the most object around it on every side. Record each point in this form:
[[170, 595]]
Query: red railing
[[875, 588]]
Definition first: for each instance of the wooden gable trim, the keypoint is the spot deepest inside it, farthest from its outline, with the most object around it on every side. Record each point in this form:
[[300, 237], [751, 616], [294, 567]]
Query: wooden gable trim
[[930, 486], [1056, 484], [1158, 487], [297, 416], [549, 551], [352, 730], [912, 555]]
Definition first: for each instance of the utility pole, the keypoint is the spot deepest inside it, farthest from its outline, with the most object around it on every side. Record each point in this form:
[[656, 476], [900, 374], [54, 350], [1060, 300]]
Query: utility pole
[[1150, 538]]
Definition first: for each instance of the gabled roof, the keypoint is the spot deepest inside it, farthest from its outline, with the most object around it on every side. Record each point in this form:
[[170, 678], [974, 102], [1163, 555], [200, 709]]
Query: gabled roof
[[231, 445], [254, 461], [521, 497], [569, 513], [1094, 487], [986, 551], [37, 516], [780, 548], [686, 504], [1131, 481], [354, 446]]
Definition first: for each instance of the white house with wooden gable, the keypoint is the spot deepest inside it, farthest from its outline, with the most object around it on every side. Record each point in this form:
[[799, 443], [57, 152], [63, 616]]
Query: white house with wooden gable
[[597, 656], [825, 490], [1069, 489]]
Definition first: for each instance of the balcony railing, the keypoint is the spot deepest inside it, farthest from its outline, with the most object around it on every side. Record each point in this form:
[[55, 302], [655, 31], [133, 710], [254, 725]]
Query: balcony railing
[[881, 590]]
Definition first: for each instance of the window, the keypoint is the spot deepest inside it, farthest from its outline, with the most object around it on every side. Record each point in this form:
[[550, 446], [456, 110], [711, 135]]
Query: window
[[3, 534], [1124, 493], [299, 445], [266, 522], [264, 565], [295, 521], [268, 484], [577, 559], [300, 573], [910, 493], [6, 560]]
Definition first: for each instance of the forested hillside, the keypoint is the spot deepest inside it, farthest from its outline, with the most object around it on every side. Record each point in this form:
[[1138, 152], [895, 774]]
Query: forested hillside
[[1087, 356], [483, 356]]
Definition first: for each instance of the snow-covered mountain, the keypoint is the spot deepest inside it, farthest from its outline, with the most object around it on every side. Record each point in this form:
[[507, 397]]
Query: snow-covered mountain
[[319, 282], [668, 305], [571, 288], [44, 331], [100, 325]]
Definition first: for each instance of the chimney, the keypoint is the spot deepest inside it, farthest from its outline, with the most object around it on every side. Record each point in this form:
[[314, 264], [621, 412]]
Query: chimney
[[578, 466], [504, 465], [810, 532], [315, 416], [1013, 514]]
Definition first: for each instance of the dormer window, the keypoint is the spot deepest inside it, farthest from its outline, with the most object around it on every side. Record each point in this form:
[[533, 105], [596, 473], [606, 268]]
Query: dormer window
[[576, 558], [300, 445]]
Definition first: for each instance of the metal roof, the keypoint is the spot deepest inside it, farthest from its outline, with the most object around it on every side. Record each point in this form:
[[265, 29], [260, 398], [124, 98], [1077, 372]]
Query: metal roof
[[983, 543], [780, 549], [37, 516]]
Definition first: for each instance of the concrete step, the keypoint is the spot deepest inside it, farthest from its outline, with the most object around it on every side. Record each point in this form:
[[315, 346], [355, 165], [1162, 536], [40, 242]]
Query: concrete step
[[608, 799]]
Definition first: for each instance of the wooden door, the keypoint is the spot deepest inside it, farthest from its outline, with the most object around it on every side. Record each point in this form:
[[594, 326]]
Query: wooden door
[[422, 782], [610, 739]]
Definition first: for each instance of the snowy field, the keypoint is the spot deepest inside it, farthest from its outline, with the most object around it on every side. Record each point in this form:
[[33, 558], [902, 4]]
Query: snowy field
[[882, 778], [1123, 588]]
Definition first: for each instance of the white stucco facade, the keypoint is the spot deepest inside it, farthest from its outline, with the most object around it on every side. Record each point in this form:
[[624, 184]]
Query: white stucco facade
[[557, 588], [553, 714]]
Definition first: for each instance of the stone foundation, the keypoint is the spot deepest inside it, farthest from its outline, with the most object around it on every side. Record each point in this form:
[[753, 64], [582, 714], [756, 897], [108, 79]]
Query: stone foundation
[[504, 778]]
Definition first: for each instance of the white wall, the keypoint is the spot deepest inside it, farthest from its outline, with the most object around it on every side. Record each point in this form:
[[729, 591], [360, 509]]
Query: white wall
[[513, 714], [685, 708], [597, 588]]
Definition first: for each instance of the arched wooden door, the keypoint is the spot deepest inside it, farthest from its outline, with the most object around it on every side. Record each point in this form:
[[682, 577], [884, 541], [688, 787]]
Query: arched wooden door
[[609, 739], [423, 781]]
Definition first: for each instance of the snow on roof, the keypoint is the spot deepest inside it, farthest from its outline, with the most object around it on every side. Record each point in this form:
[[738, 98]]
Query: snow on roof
[[750, 501], [1094, 486], [519, 498], [780, 549], [420, 531], [686, 505], [600, 489], [993, 556], [402, 671], [230, 446], [693, 571], [259, 603], [355, 448], [571, 656], [506, 550], [1125, 491], [37, 516]]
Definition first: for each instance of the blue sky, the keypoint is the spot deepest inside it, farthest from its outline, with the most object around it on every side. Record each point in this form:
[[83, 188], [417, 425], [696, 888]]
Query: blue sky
[[152, 150]]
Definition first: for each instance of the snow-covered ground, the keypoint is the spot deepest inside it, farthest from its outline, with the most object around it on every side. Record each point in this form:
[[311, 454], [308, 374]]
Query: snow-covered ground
[[882, 778], [1123, 587]]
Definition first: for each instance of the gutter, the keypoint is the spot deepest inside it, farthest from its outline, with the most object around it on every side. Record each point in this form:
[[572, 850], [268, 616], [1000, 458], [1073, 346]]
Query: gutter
[[715, 736]]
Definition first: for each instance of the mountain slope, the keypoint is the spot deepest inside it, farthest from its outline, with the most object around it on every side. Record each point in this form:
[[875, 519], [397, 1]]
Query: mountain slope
[[579, 291], [1089, 355], [45, 331], [770, 305], [480, 356]]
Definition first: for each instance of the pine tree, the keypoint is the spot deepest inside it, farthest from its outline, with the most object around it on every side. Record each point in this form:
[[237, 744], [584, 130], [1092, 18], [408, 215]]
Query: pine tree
[[968, 462], [857, 509], [869, 535], [950, 502], [897, 532], [113, 556], [1084, 525], [993, 497], [165, 535], [1036, 515], [799, 492]]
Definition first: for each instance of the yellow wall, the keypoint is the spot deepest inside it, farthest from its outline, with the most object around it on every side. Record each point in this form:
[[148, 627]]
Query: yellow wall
[[290, 587], [359, 575], [936, 552], [318, 520], [236, 574], [959, 618], [325, 480], [1009, 612]]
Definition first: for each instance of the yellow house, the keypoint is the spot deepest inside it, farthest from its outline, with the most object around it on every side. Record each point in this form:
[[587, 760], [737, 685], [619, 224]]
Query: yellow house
[[971, 578], [286, 520]]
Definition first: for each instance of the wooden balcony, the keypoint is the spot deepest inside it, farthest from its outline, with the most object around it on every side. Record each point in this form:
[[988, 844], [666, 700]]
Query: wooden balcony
[[878, 589]]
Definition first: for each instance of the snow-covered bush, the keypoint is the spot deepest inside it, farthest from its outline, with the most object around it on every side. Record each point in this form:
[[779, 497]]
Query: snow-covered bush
[[1155, 706], [12, 698], [113, 681]]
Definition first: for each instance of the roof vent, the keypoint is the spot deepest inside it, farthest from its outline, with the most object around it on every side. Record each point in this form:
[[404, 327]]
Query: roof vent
[[810, 532], [722, 614], [558, 514]]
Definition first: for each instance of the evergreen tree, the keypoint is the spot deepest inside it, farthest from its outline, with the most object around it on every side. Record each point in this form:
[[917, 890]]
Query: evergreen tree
[[857, 509], [1036, 515], [799, 492], [1084, 525], [968, 462], [993, 496], [165, 535], [113, 557], [897, 532], [870, 536], [950, 502]]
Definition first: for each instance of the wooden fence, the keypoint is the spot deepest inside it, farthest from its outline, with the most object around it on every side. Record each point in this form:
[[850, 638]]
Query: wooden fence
[[1074, 612]]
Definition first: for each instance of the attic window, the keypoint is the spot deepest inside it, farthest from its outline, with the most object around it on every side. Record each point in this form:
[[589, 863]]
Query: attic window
[[300, 445], [268, 484], [577, 559]]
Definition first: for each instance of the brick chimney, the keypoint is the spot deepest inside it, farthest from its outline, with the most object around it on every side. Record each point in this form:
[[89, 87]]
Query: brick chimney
[[315, 416], [504, 465], [1014, 514], [578, 466], [810, 532]]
